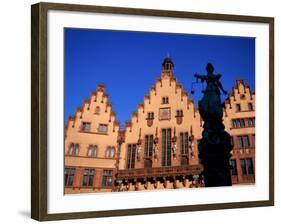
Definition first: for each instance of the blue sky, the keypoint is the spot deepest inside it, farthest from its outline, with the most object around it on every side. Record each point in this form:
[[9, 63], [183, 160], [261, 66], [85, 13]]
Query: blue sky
[[128, 63]]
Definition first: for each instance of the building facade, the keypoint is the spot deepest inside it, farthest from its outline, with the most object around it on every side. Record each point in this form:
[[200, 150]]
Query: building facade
[[158, 147], [90, 146], [239, 120]]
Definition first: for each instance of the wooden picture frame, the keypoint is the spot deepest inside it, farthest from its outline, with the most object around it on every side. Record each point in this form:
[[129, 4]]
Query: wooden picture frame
[[39, 109]]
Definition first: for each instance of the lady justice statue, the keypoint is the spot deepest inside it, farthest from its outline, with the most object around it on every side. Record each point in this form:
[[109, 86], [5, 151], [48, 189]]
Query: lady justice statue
[[215, 145]]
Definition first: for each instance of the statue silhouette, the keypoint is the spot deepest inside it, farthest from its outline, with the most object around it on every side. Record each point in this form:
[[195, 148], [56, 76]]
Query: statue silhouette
[[215, 145]]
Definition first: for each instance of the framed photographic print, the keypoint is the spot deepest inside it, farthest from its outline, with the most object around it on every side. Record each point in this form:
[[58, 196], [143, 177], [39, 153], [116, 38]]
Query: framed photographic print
[[139, 111]]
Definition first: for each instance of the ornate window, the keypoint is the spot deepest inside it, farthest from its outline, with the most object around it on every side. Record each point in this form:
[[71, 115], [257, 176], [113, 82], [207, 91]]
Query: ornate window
[[86, 126], [73, 149], [247, 166], [243, 141], [233, 167], [103, 128], [131, 156], [107, 178], [88, 177], [92, 151], [166, 147], [184, 143], [110, 152], [69, 174], [148, 146]]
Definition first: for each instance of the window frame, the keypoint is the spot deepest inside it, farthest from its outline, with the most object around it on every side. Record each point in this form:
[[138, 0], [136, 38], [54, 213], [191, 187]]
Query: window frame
[[251, 122], [131, 155], [148, 146], [105, 177], [184, 143], [68, 175], [243, 145], [88, 124], [233, 169], [95, 147], [165, 100], [100, 130], [92, 175], [245, 171], [70, 152], [108, 152], [150, 115], [166, 149]]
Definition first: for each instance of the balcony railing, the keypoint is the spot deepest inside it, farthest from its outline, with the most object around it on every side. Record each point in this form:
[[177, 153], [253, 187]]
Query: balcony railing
[[160, 172]]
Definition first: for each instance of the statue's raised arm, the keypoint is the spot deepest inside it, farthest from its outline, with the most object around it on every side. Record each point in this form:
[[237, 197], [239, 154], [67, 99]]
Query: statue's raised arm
[[201, 77]]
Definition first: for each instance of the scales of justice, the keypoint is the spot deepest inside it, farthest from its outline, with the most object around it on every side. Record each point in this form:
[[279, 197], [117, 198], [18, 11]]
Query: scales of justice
[[215, 145]]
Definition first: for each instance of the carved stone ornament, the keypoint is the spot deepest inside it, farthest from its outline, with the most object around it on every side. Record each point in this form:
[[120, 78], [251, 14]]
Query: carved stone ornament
[[155, 149], [149, 122], [179, 119], [139, 152], [174, 148]]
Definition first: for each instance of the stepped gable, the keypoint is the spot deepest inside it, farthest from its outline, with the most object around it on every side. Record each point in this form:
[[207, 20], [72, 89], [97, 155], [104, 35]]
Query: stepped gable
[[166, 76], [240, 91], [98, 103]]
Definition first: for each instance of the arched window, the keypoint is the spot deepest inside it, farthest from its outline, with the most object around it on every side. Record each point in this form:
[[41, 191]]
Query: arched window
[[110, 152], [97, 110], [92, 151], [73, 149]]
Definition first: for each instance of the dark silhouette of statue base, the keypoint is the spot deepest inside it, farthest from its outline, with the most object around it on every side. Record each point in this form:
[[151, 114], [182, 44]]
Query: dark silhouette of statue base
[[215, 145]]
